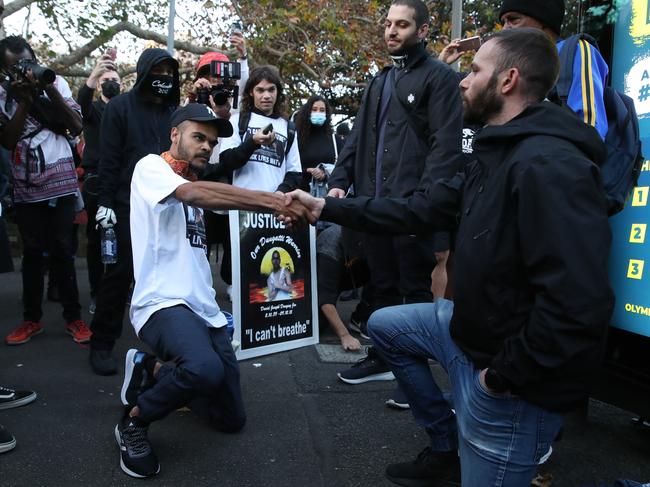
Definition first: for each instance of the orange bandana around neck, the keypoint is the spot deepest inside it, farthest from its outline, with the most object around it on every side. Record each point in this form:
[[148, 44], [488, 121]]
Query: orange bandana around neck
[[182, 168]]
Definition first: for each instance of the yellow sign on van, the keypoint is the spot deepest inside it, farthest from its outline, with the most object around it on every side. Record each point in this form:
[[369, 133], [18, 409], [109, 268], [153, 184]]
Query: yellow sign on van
[[640, 28], [635, 269], [640, 196], [637, 234]]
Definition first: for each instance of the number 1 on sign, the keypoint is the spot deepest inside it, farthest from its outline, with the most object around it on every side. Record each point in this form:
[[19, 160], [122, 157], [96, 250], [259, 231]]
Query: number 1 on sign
[[640, 197]]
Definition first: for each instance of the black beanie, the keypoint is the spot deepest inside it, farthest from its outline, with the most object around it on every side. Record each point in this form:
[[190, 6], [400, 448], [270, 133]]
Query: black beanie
[[548, 12]]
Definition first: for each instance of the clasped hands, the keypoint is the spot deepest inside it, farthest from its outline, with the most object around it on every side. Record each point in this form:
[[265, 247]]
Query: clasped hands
[[299, 207]]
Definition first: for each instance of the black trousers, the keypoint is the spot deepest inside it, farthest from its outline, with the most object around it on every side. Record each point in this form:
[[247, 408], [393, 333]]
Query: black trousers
[[114, 288], [400, 269], [90, 194], [48, 227]]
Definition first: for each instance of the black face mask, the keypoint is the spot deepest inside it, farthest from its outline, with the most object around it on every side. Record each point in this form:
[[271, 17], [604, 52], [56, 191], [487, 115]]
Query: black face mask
[[110, 88], [160, 85]]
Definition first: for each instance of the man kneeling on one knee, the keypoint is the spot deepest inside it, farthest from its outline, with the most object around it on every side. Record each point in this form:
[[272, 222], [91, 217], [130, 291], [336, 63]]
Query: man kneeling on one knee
[[173, 309], [525, 335]]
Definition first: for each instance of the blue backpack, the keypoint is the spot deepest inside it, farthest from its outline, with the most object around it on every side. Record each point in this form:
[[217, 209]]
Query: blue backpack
[[620, 171]]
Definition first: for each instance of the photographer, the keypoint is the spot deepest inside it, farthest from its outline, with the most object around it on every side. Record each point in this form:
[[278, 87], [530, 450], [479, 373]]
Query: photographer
[[104, 76], [207, 83], [36, 113]]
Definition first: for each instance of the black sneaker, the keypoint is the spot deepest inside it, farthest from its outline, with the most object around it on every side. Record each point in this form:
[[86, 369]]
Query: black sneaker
[[7, 440], [12, 399], [137, 458], [102, 362], [429, 469], [398, 400], [138, 375], [369, 368]]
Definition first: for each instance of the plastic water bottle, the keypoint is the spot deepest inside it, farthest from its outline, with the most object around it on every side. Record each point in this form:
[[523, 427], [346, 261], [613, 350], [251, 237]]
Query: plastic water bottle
[[109, 246], [230, 325]]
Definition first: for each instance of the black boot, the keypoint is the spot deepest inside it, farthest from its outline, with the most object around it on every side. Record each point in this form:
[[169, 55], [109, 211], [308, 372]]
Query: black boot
[[429, 469], [102, 362]]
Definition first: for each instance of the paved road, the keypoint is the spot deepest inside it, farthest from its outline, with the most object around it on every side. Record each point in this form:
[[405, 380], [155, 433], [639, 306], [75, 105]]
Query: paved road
[[305, 427]]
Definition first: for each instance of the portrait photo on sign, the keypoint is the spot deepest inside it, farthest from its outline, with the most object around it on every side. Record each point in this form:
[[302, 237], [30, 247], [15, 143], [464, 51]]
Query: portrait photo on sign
[[276, 281]]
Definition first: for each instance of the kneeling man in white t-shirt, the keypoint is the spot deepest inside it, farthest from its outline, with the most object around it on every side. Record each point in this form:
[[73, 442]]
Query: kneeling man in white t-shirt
[[173, 309]]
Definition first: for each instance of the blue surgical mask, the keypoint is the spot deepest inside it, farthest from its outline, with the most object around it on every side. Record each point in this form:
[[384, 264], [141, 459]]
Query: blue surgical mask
[[317, 118]]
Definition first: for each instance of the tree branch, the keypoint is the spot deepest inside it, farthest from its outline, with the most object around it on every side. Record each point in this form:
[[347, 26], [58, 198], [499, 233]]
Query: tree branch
[[15, 6], [279, 54], [80, 53]]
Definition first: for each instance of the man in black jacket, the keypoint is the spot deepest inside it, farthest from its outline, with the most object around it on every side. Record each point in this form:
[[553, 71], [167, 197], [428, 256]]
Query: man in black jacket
[[134, 124], [105, 77], [526, 333], [407, 134]]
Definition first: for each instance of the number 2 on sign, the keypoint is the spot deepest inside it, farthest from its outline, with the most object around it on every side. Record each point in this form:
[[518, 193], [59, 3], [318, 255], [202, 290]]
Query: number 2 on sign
[[635, 269], [637, 233]]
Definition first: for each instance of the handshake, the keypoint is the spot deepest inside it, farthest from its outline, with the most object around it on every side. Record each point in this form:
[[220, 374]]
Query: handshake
[[299, 207]]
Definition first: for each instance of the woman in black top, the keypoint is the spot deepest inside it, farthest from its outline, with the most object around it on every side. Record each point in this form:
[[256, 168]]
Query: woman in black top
[[319, 146]]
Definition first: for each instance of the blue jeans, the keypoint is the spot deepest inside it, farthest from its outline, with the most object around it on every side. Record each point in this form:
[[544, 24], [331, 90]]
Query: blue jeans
[[500, 437], [200, 370]]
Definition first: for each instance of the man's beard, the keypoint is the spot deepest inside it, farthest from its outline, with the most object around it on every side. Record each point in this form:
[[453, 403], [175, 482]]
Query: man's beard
[[406, 45], [185, 155], [484, 105]]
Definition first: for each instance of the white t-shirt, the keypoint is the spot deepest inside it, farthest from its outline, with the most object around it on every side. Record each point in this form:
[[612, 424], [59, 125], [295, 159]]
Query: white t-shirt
[[266, 168], [169, 248]]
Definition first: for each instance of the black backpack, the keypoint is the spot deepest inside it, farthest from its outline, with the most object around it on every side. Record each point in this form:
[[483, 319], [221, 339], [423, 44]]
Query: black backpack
[[620, 171]]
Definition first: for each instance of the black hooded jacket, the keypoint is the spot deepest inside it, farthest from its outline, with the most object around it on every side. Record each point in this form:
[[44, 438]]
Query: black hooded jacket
[[532, 293], [132, 127]]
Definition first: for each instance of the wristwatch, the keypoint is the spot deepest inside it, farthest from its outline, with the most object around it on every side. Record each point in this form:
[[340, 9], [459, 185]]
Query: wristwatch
[[495, 381]]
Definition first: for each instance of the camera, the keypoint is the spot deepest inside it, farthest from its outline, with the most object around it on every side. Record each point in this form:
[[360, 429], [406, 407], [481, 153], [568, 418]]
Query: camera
[[43, 75], [229, 73]]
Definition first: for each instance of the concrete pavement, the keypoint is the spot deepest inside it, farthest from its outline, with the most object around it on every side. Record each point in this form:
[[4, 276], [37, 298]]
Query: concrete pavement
[[305, 428]]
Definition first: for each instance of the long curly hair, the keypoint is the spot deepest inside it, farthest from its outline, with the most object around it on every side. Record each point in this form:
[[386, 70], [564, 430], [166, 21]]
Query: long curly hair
[[257, 75], [304, 126]]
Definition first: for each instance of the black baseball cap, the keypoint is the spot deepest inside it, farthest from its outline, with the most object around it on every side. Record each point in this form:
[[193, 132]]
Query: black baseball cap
[[198, 112]]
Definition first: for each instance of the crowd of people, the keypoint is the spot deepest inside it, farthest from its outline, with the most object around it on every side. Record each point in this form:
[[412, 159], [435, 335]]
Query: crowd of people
[[479, 169]]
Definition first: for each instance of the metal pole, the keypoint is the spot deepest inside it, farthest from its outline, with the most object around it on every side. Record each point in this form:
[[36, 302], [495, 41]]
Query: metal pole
[[456, 24], [170, 26]]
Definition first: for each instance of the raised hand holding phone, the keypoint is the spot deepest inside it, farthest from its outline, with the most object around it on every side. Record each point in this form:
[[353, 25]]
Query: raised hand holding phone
[[469, 44], [264, 136]]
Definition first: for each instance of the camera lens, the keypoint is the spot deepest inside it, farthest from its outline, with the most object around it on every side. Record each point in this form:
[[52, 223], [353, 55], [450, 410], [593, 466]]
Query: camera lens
[[220, 97], [202, 96]]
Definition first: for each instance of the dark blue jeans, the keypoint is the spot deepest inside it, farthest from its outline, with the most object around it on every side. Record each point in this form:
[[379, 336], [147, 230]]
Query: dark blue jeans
[[500, 437], [200, 370]]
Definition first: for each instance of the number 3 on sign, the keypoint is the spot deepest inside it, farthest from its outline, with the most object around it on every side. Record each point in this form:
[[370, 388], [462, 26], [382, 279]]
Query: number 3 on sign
[[635, 269]]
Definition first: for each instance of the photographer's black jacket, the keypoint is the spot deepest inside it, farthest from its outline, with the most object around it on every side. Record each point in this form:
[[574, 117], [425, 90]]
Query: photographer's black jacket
[[532, 294], [422, 142], [133, 127]]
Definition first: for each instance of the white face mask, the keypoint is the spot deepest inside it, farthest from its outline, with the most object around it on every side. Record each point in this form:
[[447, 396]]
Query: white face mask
[[318, 118]]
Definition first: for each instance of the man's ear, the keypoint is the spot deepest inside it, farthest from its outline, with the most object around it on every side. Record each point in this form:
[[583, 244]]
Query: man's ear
[[510, 81], [423, 32], [175, 135]]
